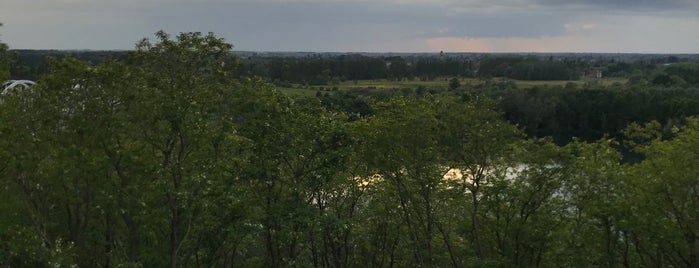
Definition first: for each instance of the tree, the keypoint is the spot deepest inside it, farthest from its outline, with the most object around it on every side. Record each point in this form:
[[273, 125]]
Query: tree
[[474, 139], [665, 186], [594, 191], [184, 122], [411, 146], [401, 149], [4, 62], [454, 83], [75, 115], [523, 209], [298, 178], [154, 137]]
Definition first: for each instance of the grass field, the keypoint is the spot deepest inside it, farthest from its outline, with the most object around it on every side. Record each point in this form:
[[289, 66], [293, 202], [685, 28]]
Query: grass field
[[298, 91], [439, 83], [603, 82]]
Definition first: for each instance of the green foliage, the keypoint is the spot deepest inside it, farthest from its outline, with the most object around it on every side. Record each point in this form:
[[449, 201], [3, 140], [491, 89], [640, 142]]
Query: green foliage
[[593, 191], [523, 211], [169, 158], [496, 66], [665, 186], [454, 83], [590, 113], [639, 136], [4, 61], [543, 70], [687, 72]]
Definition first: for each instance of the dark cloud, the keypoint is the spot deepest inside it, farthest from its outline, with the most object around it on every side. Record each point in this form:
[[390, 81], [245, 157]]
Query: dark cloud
[[342, 25], [291, 26], [333, 25], [506, 25]]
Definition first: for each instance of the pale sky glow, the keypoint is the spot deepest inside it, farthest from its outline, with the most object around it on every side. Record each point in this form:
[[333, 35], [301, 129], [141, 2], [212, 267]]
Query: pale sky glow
[[633, 26]]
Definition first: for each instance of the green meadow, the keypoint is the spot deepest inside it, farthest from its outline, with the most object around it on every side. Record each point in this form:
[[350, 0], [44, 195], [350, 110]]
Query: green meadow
[[441, 83]]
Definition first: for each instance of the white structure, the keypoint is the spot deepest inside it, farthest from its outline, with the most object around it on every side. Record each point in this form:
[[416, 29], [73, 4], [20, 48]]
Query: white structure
[[11, 84]]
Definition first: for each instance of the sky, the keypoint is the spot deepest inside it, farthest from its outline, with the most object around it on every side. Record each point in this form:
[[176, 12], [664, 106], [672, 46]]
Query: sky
[[607, 26]]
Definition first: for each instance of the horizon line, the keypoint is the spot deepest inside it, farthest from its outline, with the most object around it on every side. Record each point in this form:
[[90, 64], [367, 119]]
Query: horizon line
[[378, 52]]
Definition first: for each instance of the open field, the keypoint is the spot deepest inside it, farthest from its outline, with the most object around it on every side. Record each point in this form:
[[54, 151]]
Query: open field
[[439, 83], [581, 82], [298, 91]]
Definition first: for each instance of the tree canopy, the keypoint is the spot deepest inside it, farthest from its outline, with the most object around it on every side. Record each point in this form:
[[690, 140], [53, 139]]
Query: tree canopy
[[173, 156]]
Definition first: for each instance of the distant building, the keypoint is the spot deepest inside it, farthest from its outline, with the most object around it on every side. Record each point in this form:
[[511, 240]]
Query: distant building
[[593, 74]]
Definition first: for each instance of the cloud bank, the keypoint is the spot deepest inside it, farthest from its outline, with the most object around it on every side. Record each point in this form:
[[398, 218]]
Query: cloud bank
[[665, 26]]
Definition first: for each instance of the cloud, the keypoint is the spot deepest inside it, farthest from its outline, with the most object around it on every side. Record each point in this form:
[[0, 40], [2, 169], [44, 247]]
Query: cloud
[[513, 44], [626, 5], [505, 25], [579, 27], [361, 25], [628, 34]]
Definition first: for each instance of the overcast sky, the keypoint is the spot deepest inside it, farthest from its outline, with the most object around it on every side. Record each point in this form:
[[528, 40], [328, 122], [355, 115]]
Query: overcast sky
[[633, 26]]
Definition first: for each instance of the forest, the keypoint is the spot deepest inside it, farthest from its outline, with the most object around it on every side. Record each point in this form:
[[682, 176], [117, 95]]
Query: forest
[[181, 154]]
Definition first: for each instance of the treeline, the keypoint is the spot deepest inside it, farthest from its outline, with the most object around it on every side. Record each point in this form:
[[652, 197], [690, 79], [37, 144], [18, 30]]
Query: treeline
[[329, 69], [590, 113], [529, 69], [33, 64], [167, 158], [5, 62], [680, 74], [312, 70], [320, 70], [593, 110]]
